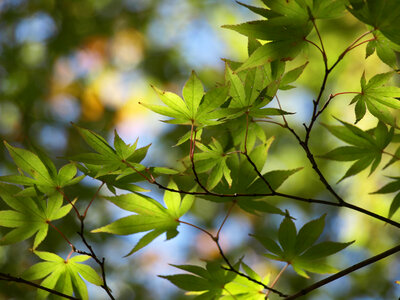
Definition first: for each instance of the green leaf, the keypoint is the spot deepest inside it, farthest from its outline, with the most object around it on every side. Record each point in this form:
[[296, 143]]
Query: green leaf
[[269, 244], [385, 49], [358, 166], [165, 111], [62, 275], [236, 88], [96, 142], [381, 15], [30, 215], [347, 153], [123, 150], [31, 164], [394, 206], [188, 282], [136, 223], [323, 249], [151, 216], [145, 240], [277, 50], [378, 99], [193, 93], [173, 101], [292, 75], [85, 271], [66, 174], [327, 9], [253, 207], [287, 236], [212, 279], [275, 178], [172, 199], [309, 234], [267, 13]]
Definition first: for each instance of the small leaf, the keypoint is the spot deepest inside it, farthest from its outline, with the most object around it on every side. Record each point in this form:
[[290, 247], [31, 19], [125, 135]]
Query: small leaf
[[30, 163], [394, 206], [193, 93], [269, 244], [287, 236], [96, 142], [324, 249], [309, 234]]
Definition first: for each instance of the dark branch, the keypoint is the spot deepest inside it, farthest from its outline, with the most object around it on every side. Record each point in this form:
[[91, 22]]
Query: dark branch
[[8, 277], [344, 272]]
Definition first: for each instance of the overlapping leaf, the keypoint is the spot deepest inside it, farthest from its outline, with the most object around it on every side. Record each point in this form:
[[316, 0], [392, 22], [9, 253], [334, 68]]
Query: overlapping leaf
[[299, 249], [381, 15], [193, 108], [111, 165], [42, 172], [287, 24], [286, 38], [62, 275], [150, 216], [392, 187], [246, 180], [366, 146], [253, 89], [28, 216], [209, 282], [385, 49], [377, 98], [213, 158], [244, 289]]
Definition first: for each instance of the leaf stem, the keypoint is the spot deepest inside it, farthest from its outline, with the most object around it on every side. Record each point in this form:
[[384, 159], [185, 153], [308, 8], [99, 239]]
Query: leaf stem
[[321, 42], [91, 201], [226, 217], [277, 278], [61, 233], [198, 228], [69, 201]]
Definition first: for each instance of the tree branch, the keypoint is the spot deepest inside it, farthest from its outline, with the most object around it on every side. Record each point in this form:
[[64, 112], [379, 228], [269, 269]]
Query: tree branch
[[344, 272], [8, 277]]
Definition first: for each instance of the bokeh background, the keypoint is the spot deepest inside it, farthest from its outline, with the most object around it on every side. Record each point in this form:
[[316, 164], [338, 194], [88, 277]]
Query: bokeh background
[[91, 61]]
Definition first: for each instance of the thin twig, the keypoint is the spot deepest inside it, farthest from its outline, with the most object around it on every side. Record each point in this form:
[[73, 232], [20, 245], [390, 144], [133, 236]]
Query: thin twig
[[277, 278], [341, 56], [246, 132], [69, 201], [232, 269], [91, 201], [331, 96], [225, 258], [198, 228], [344, 272], [92, 254], [269, 121], [8, 277], [321, 42], [314, 44], [259, 173], [62, 234], [226, 217], [196, 176], [363, 42]]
